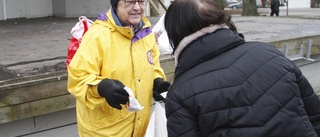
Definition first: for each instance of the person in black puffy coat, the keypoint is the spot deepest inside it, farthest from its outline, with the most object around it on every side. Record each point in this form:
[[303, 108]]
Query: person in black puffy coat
[[274, 6], [227, 87]]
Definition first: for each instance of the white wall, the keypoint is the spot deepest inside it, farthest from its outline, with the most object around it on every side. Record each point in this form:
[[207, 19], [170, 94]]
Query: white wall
[[59, 7], [299, 3], [38, 8], [15, 8], [10, 9], [89, 8], [25, 9], [2, 10]]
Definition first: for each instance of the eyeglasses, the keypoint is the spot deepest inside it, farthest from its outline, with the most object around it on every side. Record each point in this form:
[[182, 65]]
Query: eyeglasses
[[131, 3]]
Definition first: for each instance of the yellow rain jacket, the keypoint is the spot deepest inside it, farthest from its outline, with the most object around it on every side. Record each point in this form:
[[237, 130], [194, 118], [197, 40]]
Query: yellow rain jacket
[[114, 52]]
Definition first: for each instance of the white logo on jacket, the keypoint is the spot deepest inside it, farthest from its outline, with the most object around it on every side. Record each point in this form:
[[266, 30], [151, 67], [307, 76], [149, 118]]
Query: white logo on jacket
[[149, 56]]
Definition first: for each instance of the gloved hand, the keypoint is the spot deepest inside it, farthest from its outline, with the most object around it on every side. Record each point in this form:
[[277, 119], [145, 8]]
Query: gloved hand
[[113, 92], [159, 86]]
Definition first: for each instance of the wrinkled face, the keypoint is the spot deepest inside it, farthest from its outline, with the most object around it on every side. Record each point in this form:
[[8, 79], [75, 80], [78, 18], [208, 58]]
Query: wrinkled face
[[130, 12]]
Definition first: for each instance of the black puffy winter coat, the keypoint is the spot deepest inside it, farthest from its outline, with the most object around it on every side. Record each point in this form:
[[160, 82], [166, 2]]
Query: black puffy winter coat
[[275, 4], [226, 87]]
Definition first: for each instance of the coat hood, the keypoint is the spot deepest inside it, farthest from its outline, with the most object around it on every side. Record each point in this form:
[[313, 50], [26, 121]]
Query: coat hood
[[203, 45], [111, 20]]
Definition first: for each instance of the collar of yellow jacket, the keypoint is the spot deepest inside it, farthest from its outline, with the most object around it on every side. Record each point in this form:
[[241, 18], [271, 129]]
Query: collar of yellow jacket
[[108, 20]]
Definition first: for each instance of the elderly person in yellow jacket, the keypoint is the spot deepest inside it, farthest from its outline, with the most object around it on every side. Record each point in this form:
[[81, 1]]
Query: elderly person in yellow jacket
[[119, 50]]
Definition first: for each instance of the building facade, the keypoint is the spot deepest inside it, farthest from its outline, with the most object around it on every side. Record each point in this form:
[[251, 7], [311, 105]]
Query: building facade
[[10, 9]]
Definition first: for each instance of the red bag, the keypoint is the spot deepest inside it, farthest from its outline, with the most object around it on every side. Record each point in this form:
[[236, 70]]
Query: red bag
[[77, 32]]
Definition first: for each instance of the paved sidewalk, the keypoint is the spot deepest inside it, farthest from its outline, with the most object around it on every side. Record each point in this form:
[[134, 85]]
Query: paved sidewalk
[[33, 46]]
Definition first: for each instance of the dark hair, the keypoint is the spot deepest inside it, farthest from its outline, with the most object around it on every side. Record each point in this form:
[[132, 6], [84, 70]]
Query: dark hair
[[113, 3], [185, 17]]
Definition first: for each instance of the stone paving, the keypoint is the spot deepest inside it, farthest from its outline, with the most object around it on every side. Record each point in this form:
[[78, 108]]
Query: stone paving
[[33, 46]]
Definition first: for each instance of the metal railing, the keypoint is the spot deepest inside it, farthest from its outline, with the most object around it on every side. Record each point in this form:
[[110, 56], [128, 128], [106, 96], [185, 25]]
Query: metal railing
[[301, 54]]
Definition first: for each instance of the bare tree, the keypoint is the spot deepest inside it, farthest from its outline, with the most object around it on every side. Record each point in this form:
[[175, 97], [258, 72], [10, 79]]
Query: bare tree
[[264, 3], [315, 4], [249, 8]]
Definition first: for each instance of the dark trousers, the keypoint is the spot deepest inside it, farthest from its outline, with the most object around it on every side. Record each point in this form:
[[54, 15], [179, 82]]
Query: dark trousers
[[274, 12]]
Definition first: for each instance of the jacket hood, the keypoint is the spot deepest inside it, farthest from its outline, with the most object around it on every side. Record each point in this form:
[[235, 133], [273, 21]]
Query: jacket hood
[[184, 42], [204, 45], [110, 19]]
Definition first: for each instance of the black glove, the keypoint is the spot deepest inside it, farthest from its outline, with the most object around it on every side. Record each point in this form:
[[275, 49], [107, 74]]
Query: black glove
[[159, 86], [113, 92]]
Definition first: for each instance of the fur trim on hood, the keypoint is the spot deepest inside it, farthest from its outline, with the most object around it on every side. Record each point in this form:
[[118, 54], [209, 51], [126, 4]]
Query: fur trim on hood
[[185, 41]]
